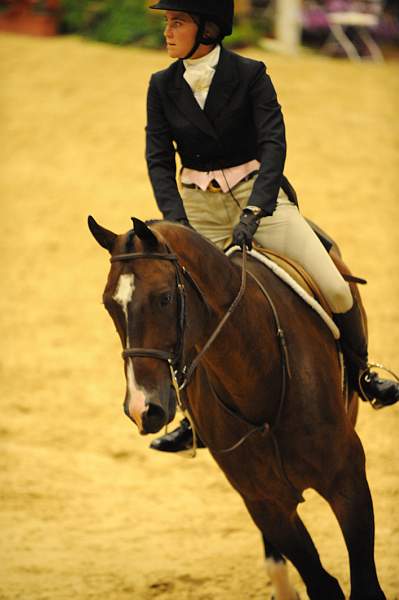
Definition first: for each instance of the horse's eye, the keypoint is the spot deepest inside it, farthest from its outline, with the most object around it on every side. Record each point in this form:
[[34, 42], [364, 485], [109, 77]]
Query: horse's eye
[[165, 299]]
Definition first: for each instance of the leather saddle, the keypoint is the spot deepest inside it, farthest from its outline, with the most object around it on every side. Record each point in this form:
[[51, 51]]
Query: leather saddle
[[298, 274]]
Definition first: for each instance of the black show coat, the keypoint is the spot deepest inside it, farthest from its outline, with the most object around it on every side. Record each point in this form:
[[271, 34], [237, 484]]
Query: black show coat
[[241, 120]]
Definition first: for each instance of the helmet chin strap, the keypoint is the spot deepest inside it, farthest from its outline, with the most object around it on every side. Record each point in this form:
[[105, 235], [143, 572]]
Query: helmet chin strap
[[201, 39]]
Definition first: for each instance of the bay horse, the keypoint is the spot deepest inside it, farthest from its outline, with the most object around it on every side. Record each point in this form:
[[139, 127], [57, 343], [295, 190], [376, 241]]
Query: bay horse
[[260, 376]]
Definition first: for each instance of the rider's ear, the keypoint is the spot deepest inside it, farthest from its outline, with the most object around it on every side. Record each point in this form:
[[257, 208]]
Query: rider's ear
[[104, 237], [144, 233]]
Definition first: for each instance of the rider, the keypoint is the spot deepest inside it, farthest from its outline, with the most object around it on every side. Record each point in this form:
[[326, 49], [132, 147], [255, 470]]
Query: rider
[[219, 112]]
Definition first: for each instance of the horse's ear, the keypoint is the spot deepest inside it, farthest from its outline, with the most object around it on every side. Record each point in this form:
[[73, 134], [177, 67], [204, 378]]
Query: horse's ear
[[144, 233], [104, 237]]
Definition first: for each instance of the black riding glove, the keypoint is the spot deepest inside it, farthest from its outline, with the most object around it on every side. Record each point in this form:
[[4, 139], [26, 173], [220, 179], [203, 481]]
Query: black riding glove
[[245, 230]]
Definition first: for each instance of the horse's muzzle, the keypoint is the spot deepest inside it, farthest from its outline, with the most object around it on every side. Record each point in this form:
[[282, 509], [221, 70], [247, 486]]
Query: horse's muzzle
[[159, 409], [153, 419]]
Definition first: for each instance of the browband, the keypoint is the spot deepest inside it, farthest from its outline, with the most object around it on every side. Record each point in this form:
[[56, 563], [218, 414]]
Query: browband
[[132, 255]]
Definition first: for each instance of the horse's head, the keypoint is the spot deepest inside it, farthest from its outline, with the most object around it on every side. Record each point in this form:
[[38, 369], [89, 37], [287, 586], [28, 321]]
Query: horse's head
[[144, 296]]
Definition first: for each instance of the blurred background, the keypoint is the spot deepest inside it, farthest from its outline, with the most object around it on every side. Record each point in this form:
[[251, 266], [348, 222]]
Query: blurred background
[[87, 511], [350, 28]]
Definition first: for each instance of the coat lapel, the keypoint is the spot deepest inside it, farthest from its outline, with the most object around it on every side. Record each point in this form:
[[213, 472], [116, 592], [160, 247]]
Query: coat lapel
[[182, 96], [223, 84]]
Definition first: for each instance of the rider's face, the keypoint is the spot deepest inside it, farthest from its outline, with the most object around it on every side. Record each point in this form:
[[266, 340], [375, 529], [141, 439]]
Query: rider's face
[[180, 33]]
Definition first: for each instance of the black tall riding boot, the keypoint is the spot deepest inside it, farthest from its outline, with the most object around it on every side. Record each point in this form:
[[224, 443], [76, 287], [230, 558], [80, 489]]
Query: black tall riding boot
[[380, 392]]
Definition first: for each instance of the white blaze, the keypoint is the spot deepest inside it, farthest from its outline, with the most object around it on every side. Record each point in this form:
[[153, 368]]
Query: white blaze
[[124, 293], [135, 396]]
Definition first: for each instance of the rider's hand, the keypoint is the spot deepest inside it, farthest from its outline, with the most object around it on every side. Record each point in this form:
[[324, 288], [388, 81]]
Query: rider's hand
[[245, 229]]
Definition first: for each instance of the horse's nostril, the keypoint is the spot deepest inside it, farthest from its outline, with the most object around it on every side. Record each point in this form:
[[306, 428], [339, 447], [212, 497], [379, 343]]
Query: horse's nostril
[[153, 419]]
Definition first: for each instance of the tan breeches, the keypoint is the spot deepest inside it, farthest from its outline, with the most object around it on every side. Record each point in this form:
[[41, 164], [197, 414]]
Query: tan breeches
[[215, 214]]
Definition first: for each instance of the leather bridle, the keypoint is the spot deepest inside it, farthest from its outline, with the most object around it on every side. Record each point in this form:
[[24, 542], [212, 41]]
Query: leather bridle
[[181, 374], [174, 358]]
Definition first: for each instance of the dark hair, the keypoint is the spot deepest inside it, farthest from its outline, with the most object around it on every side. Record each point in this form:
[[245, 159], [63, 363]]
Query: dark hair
[[216, 35]]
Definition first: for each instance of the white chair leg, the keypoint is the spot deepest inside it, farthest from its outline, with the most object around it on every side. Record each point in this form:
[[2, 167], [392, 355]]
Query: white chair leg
[[341, 37], [371, 45]]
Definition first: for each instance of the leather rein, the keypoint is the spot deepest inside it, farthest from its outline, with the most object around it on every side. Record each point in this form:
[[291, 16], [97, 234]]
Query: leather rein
[[181, 374]]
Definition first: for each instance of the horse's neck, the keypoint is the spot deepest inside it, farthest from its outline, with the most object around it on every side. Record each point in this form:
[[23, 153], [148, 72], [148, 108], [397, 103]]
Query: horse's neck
[[244, 357], [211, 270], [219, 279]]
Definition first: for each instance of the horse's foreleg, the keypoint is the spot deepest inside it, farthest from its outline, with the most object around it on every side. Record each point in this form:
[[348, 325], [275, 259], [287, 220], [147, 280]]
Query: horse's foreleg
[[350, 499], [277, 569], [286, 532]]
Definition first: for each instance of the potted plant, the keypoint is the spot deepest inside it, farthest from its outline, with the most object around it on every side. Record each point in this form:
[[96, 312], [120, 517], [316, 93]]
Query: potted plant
[[32, 17]]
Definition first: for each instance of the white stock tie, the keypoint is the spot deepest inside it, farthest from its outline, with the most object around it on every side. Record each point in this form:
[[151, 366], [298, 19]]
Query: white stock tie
[[199, 79]]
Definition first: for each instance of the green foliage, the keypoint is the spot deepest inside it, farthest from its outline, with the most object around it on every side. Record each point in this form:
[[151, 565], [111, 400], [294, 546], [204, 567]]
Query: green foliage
[[129, 21], [44, 7], [74, 15], [245, 33], [112, 21]]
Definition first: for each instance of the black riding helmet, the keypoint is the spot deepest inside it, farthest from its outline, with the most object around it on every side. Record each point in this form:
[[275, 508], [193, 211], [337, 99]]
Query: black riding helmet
[[220, 12]]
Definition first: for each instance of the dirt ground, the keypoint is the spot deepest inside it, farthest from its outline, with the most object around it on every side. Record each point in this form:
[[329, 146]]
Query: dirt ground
[[87, 511]]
